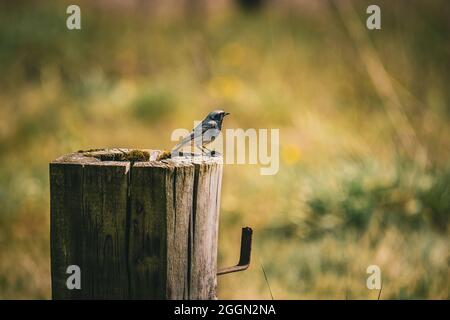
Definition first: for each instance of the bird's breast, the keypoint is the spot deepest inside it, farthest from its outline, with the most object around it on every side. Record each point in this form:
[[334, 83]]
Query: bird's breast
[[210, 135]]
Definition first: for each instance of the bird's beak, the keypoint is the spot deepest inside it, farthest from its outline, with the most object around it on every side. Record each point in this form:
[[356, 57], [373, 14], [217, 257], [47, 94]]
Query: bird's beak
[[227, 113]]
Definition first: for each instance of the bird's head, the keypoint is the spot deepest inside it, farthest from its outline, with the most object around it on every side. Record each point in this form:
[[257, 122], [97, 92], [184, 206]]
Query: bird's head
[[217, 115]]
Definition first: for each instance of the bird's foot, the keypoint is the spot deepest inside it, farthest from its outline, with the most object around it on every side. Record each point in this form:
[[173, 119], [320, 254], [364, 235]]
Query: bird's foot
[[215, 153]]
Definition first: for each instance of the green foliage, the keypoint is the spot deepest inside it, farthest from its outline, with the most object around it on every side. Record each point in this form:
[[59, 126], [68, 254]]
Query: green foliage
[[435, 200], [153, 106], [364, 197]]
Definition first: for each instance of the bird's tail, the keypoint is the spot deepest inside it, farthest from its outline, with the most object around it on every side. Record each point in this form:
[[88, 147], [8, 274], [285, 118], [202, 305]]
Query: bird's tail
[[186, 140], [177, 147]]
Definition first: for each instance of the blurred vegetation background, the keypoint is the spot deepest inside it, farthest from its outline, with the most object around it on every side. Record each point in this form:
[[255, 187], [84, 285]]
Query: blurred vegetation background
[[363, 117]]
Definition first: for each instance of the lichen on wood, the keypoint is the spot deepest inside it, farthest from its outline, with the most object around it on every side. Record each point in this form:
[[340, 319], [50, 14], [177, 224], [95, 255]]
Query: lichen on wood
[[117, 154]]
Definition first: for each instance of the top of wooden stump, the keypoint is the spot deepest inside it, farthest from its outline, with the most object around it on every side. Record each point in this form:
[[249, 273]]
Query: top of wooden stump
[[139, 157]]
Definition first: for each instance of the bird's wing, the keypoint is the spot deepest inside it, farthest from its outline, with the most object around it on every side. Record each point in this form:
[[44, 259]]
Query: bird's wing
[[208, 125], [184, 141], [196, 134]]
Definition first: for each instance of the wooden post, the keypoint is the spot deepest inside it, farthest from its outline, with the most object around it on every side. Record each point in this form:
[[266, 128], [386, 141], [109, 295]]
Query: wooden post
[[137, 228]]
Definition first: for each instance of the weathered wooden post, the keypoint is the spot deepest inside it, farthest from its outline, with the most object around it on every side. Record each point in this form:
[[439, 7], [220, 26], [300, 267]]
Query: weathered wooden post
[[136, 227]]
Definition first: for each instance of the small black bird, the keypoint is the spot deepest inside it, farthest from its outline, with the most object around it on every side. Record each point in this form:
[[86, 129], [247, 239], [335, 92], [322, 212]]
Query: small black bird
[[205, 133]]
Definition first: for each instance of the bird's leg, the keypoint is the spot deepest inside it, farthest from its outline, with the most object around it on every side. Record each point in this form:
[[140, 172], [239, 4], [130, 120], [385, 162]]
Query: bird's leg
[[213, 153], [207, 149], [203, 149]]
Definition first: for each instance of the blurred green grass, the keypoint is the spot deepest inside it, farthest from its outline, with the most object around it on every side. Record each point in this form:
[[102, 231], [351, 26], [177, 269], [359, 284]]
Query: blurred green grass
[[348, 194]]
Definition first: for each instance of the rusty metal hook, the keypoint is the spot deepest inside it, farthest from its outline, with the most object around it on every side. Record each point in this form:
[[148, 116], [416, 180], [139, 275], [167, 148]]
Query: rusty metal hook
[[246, 250]]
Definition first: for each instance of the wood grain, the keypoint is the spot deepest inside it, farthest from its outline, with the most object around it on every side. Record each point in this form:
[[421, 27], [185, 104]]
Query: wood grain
[[204, 230], [88, 225], [102, 232], [144, 230], [66, 183]]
